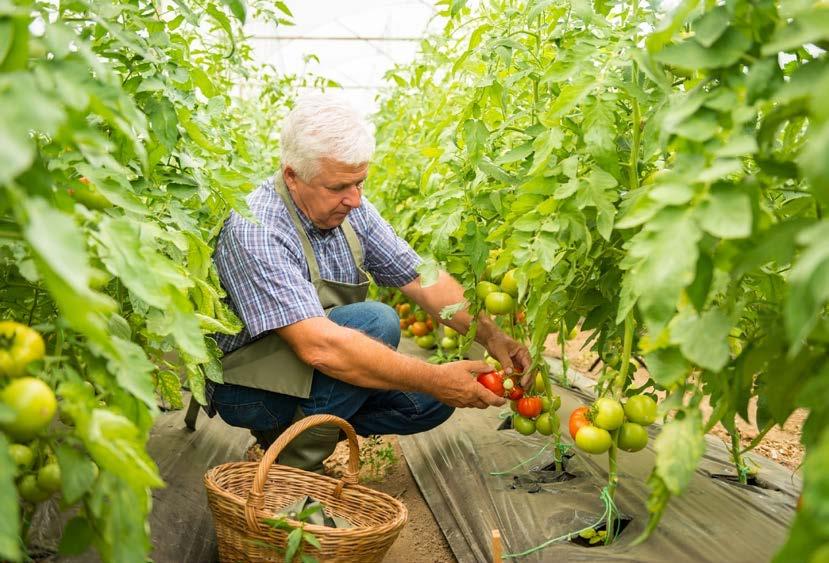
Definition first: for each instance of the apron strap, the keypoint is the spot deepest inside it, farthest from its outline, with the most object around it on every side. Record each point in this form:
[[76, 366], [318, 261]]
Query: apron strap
[[353, 244], [307, 249]]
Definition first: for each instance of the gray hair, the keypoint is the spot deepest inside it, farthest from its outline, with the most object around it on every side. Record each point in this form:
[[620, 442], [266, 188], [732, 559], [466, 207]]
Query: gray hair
[[324, 126]]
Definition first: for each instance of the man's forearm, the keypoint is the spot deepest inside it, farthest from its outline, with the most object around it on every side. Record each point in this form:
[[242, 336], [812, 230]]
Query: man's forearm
[[351, 356]]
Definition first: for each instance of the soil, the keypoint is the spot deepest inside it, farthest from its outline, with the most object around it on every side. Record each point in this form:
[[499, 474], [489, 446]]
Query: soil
[[780, 444], [421, 540]]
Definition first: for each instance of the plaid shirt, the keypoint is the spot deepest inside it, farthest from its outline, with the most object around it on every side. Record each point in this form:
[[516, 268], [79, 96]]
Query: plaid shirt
[[264, 271]]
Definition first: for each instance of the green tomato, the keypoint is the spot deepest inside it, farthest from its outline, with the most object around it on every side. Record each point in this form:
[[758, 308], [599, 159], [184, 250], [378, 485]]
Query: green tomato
[[632, 437], [426, 342], [23, 456], [48, 477], [523, 425], [19, 346], [449, 343], [498, 303], [450, 332], [547, 423], [34, 405], [509, 284], [496, 365], [29, 491], [641, 409], [593, 440], [550, 406], [484, 288], [539, 381], [608, 413]]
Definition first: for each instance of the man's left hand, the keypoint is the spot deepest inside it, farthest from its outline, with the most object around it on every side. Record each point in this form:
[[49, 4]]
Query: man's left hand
[[513, 356]]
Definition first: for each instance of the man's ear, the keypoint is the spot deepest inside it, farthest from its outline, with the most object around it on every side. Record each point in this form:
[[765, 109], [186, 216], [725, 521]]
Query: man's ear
[[289, 174]]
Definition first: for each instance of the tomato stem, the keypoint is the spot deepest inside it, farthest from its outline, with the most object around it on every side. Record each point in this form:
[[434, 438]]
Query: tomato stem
[[612, 483], [736, 455]]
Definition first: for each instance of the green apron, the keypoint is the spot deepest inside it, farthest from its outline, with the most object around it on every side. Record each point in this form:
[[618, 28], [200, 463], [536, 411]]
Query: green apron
[[269, 363]]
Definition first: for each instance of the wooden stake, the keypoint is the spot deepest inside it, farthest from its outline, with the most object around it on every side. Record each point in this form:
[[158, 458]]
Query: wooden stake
[[496, 546]]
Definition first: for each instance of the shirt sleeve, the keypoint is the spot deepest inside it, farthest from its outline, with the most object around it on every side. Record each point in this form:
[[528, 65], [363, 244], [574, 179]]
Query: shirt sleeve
[[264, 278], [388, 258]]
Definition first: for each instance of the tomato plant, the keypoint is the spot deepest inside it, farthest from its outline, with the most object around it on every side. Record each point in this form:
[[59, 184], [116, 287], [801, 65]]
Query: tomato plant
[[523, 425], [656, 178], [608, 413]]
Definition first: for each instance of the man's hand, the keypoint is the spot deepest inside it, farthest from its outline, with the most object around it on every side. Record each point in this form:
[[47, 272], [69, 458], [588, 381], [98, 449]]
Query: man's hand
[[457, 386], [512, 355]]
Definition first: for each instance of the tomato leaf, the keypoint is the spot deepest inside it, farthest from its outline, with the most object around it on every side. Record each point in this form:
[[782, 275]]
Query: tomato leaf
[[77, 473], [9, 535], [77, 537], [703, 339], [727, 213], [676, 466]]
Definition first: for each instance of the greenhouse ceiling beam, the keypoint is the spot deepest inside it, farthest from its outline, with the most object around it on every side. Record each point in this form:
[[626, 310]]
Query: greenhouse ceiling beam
[[332, 38]]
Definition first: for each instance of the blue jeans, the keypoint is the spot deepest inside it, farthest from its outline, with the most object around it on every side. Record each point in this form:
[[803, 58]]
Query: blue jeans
[[370, 411]]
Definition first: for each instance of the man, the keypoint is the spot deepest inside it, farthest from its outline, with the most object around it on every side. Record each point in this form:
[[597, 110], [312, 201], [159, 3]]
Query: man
[[298, 280]]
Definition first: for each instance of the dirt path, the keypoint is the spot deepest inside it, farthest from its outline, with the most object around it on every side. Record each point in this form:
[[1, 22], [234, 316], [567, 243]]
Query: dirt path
[[781, 445], [421, 540]]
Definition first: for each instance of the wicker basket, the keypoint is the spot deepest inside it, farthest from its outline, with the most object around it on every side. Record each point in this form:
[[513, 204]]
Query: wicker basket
[[241, 494]]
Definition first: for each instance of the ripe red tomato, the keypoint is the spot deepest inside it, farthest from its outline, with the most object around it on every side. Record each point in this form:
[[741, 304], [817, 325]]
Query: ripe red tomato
[[578, 419], [419, 328], [608, 413], [593, 440], [530, 407], [493, 381], [516, 393]]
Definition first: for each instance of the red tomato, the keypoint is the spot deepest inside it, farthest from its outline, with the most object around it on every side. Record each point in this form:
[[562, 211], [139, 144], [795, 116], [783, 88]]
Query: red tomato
[[530, 407], [493, 381], [419, 328], [578, 418], [516, 393]]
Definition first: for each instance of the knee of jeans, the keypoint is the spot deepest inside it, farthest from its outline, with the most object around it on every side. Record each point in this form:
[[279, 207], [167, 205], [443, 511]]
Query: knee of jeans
[[383, 323]]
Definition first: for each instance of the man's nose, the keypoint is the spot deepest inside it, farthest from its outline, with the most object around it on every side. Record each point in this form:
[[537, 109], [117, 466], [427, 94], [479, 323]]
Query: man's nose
[[353, 198]]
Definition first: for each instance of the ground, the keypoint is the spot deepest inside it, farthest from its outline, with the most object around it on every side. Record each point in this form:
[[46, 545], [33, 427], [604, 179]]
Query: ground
[[781, 445]]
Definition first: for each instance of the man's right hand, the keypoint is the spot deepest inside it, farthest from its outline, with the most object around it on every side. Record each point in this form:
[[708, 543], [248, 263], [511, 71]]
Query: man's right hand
[[457, 386]]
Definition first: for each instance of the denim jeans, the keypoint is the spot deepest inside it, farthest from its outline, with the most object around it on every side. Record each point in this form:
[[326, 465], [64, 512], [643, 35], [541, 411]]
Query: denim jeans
[[370, 411]]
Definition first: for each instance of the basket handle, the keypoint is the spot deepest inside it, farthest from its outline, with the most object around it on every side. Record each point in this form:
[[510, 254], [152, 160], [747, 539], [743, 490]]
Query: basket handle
[[256, 496]]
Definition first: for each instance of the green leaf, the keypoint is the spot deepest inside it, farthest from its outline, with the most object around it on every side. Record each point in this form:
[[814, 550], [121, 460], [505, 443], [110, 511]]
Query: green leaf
[[496, 173], [598, 192], [77, 473], [77, 536], [10, 522], [690, 54], [662, 261], [282, 7], [570, 96], [544, 145], [668, 367], [292, 546], [204, 83], [429, 271], [698, 290], [164, 121], [516, 154], [120, 511], [169, 388], [703, 339], [475, 135], [132, 370], [726, 213], [670, 25], [809, 27], [711, 26], [814, 162], [118, 448], [238, 8], [809, 279], [679, 449]]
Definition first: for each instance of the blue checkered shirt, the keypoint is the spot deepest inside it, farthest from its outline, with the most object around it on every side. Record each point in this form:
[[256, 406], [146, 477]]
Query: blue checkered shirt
[[264, 271]]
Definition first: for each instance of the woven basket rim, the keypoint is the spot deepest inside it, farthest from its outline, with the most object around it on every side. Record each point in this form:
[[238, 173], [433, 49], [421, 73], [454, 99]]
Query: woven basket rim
[[213, 487]]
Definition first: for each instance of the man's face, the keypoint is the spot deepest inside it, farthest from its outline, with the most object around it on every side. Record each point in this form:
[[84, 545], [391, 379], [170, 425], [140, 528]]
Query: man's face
[[328, 197]]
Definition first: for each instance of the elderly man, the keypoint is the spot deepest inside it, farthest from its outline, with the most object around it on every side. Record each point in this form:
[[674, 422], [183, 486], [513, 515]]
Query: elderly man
[[298, 279]]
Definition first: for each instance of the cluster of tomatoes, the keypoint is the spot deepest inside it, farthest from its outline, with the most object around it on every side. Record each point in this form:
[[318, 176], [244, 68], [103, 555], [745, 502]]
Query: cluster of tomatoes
[[531, 413], [597, 427], [30, 405], [419, 325], [499, 299]]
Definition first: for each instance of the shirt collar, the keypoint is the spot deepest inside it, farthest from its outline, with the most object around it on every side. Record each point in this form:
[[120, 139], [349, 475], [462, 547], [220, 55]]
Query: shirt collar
[[307, 224]]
